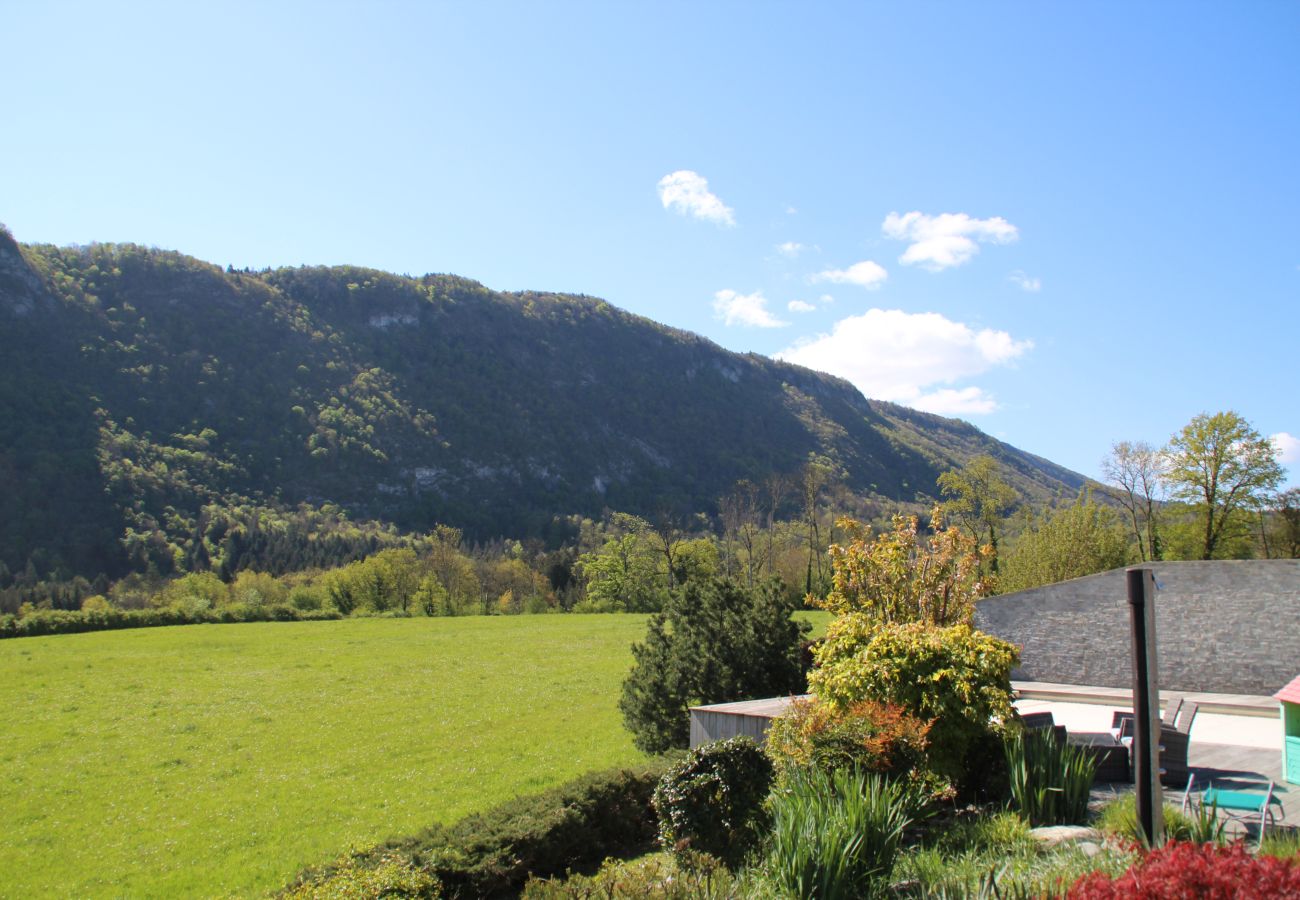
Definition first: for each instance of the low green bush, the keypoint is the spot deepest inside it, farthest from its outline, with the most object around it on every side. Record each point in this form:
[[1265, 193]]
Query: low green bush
[[1281, 844], [1004, 830], [354, 877], [1051, 780], [982, 854], [837, 835], [659, 876], [712, 801], [62, 621], [493, 854], [307, 598], [1119, 819]]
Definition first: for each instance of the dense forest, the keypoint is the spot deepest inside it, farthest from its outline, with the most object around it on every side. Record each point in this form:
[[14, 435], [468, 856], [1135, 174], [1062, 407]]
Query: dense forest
[[160, 415]]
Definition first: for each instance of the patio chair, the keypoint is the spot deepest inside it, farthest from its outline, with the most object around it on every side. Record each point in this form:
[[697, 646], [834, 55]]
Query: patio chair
[[1238, 806], [1174, 742], [1174, 739], [1038, 720], [1120, 718], [1173, 706]]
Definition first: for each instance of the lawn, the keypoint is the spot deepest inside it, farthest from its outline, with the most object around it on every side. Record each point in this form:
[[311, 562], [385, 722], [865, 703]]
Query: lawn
[[221, 759]]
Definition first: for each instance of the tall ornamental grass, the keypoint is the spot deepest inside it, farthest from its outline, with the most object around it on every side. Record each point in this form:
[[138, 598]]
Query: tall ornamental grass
[[837, 835], [1050, 779]]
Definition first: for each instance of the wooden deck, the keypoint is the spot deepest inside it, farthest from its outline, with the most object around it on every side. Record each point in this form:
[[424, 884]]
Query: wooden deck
[[1232, 768], [1231, 704], [1224, 765]]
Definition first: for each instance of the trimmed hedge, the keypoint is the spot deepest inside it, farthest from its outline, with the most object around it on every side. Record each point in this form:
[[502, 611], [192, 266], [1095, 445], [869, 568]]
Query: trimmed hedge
[[575, 826], [62, 621]]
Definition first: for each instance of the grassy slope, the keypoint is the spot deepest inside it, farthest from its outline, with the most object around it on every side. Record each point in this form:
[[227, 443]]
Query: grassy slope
[[220, 759]]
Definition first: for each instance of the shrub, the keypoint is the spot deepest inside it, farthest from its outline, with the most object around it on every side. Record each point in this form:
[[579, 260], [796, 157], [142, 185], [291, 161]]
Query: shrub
[[1119, 819], [257, 589], [1282, 844], [58, 621], [96, 603], [1196, 870], [307, 598], [895, 578], [714, 642], [659, 876], [573, 826], [712, 801], [1003, 831], [996, 857], [870, 736], [837, 835], [1051, 780], [956, 679], [355, 878]]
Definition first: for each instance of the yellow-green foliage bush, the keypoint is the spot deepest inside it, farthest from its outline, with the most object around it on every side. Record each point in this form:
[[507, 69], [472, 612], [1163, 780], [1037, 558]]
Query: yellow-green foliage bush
[[956, 679], [97, 603], [354, 877], [658, 876], [895, 577], [871, 736], [257, 589]]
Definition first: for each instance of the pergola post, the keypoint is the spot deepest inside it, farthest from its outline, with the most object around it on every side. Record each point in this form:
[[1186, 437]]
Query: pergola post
[[1146, 705]]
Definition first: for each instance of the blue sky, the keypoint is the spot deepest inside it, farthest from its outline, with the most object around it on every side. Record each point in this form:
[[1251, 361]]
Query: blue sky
[[1068, 224]]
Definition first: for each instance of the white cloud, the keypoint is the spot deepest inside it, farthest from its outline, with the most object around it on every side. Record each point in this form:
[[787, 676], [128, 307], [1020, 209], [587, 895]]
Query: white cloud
[[946, 240], [688, 193], [790, 249], [734, 308], [865, 274], [1288, 447], [1025, 281], [826, 298], [967, 401], [909, 358], [800, 306]]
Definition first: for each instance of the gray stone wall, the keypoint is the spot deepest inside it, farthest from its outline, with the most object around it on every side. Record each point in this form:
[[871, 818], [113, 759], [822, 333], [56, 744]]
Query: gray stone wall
[[1223, 626]]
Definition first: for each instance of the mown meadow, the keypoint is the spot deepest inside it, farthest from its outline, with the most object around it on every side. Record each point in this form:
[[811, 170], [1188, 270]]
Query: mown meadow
[[215, 760]]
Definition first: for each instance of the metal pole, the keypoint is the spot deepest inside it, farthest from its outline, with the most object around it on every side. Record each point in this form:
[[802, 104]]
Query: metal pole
[[1146, 705]]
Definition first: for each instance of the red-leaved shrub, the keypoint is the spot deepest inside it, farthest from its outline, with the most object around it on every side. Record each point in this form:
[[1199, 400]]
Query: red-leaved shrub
[[875, 737], [1200, 871]]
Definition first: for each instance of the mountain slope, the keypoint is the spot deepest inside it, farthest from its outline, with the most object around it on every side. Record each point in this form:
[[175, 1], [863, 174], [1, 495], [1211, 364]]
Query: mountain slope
[[148, 391]]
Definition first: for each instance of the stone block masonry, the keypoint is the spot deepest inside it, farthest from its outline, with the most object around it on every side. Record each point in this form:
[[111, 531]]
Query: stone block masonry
[[1222, 626]]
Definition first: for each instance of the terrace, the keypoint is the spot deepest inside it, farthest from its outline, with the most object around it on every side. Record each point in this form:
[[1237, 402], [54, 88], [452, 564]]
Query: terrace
[[1236, 739]]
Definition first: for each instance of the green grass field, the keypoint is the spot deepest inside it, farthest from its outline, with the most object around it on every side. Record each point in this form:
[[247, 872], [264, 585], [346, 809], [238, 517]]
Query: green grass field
[[217, 760]]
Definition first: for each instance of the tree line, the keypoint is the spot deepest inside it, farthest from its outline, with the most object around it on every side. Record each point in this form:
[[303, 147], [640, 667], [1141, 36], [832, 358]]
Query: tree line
[[1211, 492]]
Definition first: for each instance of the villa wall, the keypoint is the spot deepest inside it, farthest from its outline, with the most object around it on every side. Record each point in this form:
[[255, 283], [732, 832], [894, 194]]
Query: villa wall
[[1222, 626]]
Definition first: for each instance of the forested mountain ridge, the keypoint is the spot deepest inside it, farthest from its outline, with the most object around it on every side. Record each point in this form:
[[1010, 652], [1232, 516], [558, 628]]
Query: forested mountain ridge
[[154, 407]]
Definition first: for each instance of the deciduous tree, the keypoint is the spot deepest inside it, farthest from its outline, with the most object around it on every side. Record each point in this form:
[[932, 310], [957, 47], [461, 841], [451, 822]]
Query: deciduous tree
[[981, 499], [897, 578], [1070, 541], [1135, 472], [1224, 466]]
